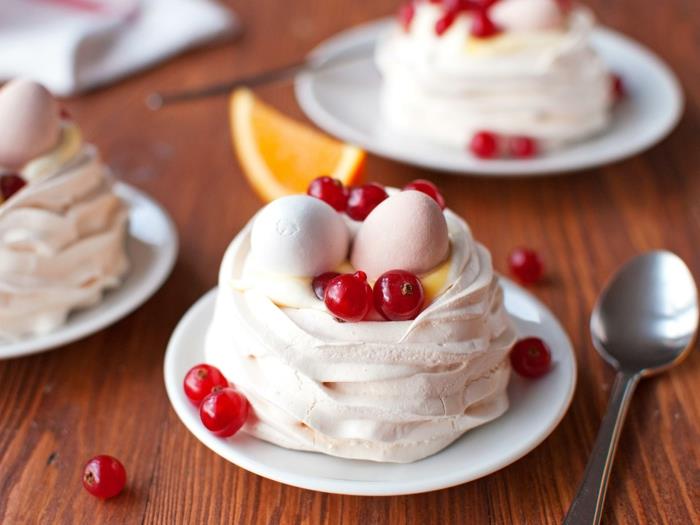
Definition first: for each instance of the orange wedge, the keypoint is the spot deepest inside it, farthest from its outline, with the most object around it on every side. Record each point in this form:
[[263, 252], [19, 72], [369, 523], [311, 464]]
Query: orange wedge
[[280, 156]]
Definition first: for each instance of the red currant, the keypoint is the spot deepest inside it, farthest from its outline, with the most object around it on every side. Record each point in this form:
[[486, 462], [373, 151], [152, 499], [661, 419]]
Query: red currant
[[445, 22], [484, 144], [10, 184], [201, 380], [618, 87], [429, 189], [522, 147], [398, 295], [363, 199], [320, 283], [224, 411], [531, 357], [482, 25], [349, 297], [104, 476], [526, 265], [65, 114], [406, 14], [329, 190]]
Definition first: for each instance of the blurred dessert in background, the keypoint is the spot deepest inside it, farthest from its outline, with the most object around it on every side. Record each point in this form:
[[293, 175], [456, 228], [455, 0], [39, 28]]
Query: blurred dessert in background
[[501, 77], [62, 228]]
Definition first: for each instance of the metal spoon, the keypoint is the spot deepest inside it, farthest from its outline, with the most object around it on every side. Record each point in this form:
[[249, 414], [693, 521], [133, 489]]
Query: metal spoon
[[644, 322]]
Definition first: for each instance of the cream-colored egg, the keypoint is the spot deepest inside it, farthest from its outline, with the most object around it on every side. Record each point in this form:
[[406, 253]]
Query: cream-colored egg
[[407, 231], [527, 15], [30, 123], [299, 236]]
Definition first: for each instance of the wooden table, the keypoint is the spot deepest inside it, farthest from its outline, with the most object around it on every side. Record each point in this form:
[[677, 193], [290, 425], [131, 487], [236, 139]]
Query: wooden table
[[105, 394]]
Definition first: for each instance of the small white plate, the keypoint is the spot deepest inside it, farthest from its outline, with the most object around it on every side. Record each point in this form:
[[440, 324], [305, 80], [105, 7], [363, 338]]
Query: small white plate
[[152, 248], [536, 409], [344, 101]]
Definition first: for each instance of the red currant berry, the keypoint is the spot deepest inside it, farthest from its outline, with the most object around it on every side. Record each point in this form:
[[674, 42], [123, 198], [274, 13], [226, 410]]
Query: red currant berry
[[201, 380], [522, 147], [445, 22], [526, 265], [330, 191], [406, 14], [484, 145], [363, 199], [224, 411], [10, 184], [429, 189], [104, 476], [398, 295], [349, 297], [617, 87], [482, 25], [320, 283], [531, 357]]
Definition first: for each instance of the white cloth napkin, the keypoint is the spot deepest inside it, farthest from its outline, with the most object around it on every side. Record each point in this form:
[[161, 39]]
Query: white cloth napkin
[[75, 45]]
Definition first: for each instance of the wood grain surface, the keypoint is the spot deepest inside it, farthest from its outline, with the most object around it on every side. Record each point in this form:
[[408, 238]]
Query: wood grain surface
[[105, 394]]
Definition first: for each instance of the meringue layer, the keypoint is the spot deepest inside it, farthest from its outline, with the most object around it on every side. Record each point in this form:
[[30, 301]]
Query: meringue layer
[[381, 391], [62, 240], [547, 84]]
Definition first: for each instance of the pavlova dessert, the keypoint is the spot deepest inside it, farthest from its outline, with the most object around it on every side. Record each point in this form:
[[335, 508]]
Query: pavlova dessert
[[502, 77], [62, 228], [363, 323]]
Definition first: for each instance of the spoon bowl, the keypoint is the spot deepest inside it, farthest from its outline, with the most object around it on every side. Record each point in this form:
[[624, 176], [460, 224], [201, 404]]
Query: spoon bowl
[[647, 317]]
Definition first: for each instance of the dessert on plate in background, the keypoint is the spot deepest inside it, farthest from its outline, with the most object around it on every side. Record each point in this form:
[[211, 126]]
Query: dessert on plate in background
[[500, 77], [363, 323], [62, 227]]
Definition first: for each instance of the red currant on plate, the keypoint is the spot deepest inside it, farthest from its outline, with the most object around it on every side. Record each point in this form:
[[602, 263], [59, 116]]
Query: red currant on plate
[[484, 145], [429, 189], [522, 147], [10, 184], [531, 357], [104, 476], [398, 295], [330, 191], [349, 296], [224, 411], [525, 264], [363, 199], [320, 283], [200, 380], [618, 87]]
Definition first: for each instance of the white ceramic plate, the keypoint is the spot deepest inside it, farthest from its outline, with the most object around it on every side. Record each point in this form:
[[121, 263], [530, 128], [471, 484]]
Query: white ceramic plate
[[536, 409], [152, 247], [344, 101]]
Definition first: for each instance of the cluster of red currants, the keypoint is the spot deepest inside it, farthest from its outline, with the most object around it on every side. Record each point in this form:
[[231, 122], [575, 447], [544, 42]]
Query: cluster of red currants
[[222, 409], [488, 145], [481, 24]]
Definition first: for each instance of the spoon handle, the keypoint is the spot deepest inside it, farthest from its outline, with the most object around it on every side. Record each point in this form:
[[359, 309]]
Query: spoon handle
[[587, 507]]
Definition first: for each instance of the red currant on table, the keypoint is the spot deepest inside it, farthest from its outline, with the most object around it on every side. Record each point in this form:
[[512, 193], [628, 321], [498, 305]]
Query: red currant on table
[[482, 25], [363, 199], [104, 476], [349, 296], [201, 380], [531, 357], [10, 184], [522, 147], [320, 283], [484, 144], [224, 411], [330, 191], [429, 189], [406, 14], [526, 265], [398, 295]]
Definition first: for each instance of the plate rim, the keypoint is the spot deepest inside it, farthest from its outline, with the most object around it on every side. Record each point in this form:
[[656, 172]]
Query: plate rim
[[504, 168], [68, 333], [224, 449]]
